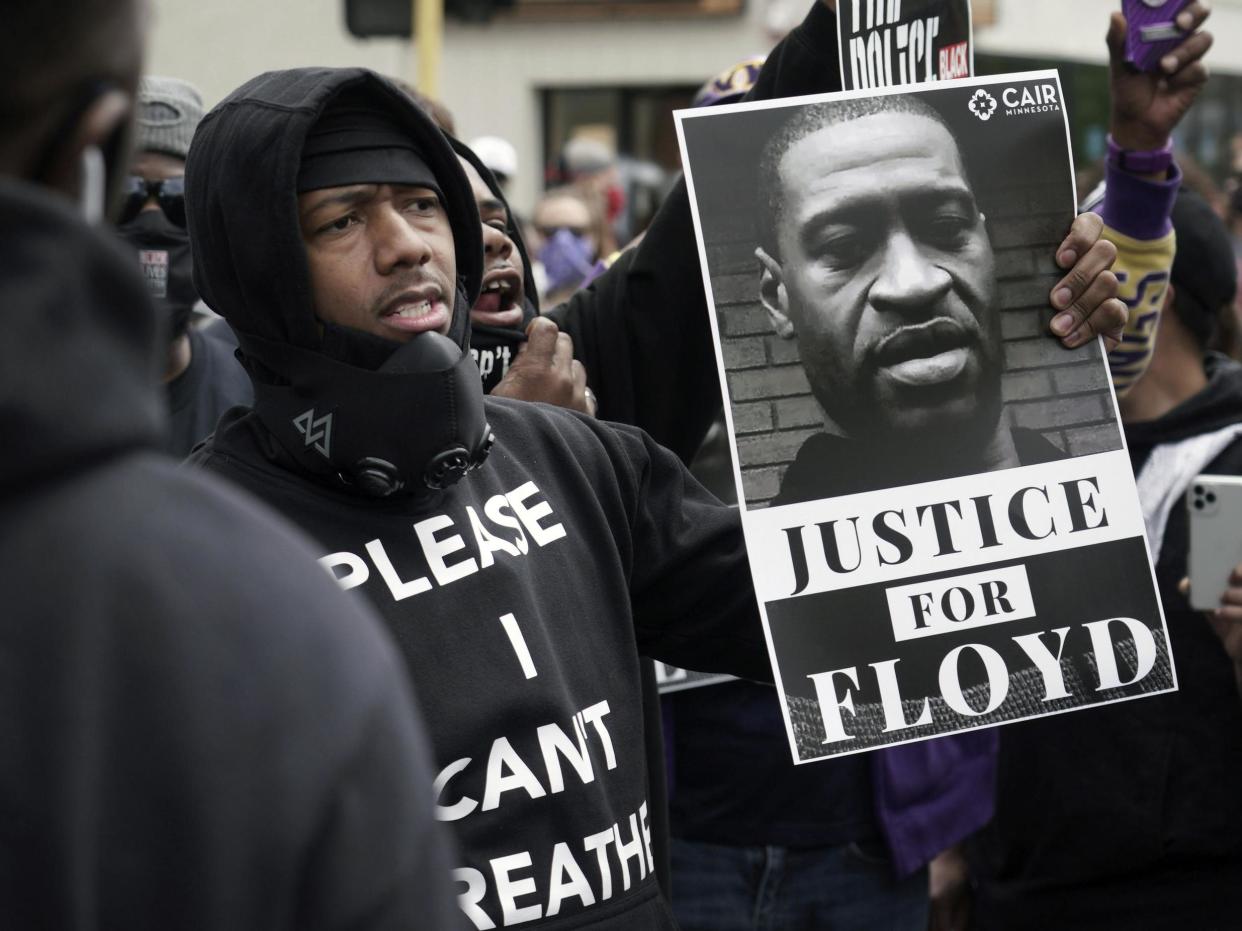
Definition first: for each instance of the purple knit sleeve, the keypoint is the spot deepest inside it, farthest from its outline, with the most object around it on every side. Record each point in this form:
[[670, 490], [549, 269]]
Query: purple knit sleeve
[[1138, 207]]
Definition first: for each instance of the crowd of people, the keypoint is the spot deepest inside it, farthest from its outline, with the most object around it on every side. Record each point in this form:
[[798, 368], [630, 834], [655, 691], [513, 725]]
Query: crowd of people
[[377, 655]]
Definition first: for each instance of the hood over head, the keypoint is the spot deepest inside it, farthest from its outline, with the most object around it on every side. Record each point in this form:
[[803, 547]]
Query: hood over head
[[242, 199], [82, 351], [353, 408], [515, 232]]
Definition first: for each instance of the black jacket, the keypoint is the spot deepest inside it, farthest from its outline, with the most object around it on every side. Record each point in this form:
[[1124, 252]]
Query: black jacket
[[1129, 815], [199, 731]]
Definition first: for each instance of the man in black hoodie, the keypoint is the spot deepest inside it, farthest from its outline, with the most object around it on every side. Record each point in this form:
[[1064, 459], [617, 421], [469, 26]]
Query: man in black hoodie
[[200, 731], [518, 551]]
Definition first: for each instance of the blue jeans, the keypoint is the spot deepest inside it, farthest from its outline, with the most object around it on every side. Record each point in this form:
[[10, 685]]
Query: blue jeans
[[722, 888]]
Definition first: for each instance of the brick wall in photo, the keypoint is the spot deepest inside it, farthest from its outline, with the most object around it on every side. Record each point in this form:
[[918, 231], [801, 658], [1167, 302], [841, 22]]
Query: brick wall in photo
[[1063, 395]]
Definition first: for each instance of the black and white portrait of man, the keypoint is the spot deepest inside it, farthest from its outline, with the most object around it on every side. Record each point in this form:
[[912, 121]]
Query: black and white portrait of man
[[882, 273]]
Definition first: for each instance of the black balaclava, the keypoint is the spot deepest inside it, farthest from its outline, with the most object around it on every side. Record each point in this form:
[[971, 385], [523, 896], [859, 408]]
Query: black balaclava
[[359, 411], [501, 343], [167, 266]]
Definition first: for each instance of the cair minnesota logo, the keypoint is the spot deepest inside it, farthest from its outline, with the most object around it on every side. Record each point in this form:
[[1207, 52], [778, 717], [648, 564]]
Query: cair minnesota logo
[[982, 104], [1022, 100]]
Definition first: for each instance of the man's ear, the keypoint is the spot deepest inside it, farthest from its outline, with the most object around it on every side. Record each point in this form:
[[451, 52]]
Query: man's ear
[[772, 294]]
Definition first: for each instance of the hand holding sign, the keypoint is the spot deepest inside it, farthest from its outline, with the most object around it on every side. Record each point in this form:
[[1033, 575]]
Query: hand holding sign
[[1087, 296]]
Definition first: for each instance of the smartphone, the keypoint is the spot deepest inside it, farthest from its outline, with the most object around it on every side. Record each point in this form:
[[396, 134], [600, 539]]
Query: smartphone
[[1214, 503], [1152, 31]]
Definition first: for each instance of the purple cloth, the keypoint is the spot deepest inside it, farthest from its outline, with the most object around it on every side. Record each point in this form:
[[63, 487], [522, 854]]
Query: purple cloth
[[932, 794], [567, 259], [1137, 207]]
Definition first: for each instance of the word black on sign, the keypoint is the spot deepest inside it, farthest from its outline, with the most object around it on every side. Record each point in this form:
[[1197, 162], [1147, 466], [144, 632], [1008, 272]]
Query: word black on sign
[[886, 43]]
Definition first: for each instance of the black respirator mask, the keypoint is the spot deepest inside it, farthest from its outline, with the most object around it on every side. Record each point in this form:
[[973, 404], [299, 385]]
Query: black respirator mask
[[411, 427], [167, 265]]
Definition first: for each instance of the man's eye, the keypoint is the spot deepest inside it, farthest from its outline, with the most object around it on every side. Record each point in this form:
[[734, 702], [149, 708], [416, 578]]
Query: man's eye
[[339, 225], [498, 225], [947, 230], [423, 206], [844, 250]]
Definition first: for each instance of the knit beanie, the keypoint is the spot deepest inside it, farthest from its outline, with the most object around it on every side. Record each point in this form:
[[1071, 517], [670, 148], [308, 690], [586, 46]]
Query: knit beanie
[[169, 110]]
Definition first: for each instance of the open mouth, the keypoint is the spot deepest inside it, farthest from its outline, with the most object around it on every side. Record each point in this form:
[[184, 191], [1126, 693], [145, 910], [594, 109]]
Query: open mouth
[[926, 354], [415, 312], [498, 303]]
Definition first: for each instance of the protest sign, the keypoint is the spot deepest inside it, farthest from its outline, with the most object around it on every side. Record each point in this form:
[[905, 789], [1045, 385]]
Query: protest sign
[[940, 514], [885, 43]]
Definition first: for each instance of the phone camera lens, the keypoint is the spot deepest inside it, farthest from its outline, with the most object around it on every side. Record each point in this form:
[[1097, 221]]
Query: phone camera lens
[[1198, 489], [1198, 504], [1211, 498]]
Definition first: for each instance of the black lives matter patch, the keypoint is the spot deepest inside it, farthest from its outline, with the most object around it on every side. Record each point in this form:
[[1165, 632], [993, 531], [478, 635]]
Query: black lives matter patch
[[154, 264]]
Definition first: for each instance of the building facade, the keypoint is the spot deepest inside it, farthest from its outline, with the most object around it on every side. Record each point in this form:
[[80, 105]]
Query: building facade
[[545, 68]]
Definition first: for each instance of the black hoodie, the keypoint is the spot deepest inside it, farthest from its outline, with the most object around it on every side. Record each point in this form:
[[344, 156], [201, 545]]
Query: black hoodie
[[199, 731], [518, 594]]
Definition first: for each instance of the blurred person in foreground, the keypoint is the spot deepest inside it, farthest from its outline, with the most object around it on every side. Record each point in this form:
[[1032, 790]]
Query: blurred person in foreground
[[201, 377], [200, 731]]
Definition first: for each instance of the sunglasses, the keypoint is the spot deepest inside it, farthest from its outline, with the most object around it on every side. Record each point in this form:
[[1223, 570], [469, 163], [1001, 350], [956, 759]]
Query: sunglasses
[[169, 194]]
